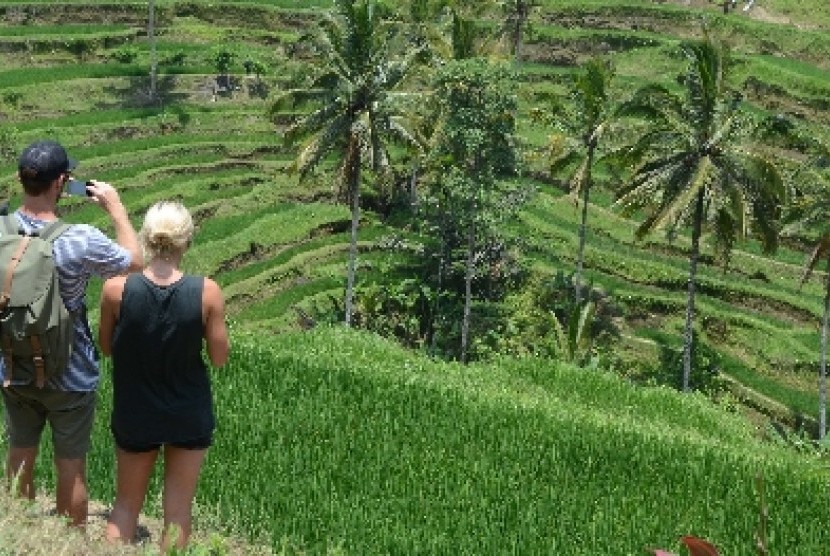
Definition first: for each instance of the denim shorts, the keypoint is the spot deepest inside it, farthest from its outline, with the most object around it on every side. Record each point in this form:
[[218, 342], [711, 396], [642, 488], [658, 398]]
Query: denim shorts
[[70, 416]]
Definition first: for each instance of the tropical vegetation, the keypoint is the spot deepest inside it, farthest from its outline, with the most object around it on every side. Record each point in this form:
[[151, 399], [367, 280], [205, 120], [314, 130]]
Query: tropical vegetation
[[529, 366]]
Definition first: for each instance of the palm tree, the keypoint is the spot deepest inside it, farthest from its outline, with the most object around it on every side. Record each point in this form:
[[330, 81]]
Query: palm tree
[[589, 120], [810, 210], [356, 109], [151, 35], [695, 165], [447, 30]]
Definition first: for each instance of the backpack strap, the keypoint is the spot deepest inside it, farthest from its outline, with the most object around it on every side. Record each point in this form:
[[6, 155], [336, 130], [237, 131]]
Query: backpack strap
[[10, 224], [51, 231], [6, 294]]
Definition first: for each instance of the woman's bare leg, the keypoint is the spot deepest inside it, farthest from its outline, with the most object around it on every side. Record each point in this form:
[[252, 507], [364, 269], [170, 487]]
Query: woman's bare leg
[[134, 470], [181, 475]]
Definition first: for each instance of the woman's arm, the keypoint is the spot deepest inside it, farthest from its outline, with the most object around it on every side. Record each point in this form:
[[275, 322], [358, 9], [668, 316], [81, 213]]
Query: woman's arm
[[213, 316], [110, 304]]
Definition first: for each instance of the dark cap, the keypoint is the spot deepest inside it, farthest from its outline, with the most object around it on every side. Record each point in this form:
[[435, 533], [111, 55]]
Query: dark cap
[[44, 160]]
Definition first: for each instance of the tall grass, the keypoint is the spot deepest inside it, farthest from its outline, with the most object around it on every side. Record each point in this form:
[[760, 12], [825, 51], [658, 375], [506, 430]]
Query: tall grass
[[336, 439]]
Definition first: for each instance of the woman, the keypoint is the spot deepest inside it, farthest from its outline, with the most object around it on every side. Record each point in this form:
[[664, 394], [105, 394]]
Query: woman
[[155, 324]]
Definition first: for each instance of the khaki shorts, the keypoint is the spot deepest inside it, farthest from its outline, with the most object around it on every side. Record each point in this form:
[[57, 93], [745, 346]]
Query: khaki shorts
[[69, 414]]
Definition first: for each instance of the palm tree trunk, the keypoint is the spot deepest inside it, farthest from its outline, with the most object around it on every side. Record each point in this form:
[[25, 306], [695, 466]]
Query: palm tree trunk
[[468, 291], [521, 16], [688, 334], [353, 177], [822, 384], [151, 35], [583, 228]]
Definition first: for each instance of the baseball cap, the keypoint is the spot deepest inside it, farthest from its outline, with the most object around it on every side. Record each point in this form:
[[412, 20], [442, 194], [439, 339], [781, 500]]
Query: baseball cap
[[44, 160]]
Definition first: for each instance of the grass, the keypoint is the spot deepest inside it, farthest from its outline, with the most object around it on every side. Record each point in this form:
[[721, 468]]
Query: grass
[[364, 448], [403, 455]]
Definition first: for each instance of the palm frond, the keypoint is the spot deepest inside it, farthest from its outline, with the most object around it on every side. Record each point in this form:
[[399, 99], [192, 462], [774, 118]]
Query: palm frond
[[820, 252]]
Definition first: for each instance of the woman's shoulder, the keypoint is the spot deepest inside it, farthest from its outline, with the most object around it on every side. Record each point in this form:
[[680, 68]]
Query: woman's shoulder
[[211, 291], [113, 288]]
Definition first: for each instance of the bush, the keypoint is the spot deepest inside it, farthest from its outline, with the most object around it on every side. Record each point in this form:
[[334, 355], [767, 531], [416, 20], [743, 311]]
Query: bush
[[126, 54]]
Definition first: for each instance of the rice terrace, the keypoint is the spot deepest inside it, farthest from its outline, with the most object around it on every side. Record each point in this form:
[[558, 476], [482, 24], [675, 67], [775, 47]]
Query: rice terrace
[[503, 277]]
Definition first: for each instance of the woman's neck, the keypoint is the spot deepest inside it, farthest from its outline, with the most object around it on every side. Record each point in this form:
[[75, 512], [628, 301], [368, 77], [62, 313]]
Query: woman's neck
[[163, 271]]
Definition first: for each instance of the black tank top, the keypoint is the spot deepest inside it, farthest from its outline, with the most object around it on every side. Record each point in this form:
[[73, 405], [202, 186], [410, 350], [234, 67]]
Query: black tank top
[[161, 388]]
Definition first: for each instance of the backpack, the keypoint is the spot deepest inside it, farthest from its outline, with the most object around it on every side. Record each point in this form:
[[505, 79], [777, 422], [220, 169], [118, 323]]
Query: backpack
[[36, 329]]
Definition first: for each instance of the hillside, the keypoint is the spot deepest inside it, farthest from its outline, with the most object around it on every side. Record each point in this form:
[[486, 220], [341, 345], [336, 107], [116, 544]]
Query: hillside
[[78, 71], [337, 441], [279, 250]]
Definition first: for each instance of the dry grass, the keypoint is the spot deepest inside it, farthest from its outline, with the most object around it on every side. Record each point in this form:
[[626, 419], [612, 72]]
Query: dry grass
[[32, 528]]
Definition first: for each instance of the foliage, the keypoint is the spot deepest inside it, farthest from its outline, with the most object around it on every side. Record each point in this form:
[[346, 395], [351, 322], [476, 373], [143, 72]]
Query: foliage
[[696, 546], [472, 148], [228, 166], [125, 54], [223, 58], [544, 320], [811, 210], [694, 165], [355, 112], [9, 141], [586, 121]]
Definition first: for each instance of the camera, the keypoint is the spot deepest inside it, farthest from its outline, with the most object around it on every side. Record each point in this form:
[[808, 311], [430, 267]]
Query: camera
[[78, 187]]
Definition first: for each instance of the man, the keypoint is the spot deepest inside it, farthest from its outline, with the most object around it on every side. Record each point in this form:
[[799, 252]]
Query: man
[[67, 402]]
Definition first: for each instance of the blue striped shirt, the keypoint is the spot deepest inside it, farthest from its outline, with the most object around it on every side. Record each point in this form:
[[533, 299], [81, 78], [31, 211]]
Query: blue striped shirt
[[81, 252]]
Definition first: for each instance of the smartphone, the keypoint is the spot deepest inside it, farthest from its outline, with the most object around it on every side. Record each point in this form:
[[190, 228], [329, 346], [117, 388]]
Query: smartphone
[[78, 187]]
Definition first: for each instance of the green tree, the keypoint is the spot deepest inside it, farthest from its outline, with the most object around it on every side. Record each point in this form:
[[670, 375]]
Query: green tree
[[697, 164], [808, 212], [586, 119], [473, 147], [447, 30], [223, 60], [357, 108], [516, 16]]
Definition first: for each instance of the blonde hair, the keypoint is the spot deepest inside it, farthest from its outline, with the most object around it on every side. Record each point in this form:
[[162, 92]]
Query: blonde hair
[[167, 230]]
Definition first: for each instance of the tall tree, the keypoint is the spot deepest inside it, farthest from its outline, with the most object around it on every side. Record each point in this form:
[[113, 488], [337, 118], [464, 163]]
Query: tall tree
[[696, 165], [807, 213], [586, 120], [151, 35], [473, 149], [356, 109]]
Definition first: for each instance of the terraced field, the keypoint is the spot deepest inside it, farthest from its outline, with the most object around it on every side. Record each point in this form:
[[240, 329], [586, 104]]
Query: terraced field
[[78, 71]]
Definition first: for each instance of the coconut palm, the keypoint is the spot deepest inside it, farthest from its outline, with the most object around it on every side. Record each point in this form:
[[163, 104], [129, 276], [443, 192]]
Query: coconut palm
[[357, 109], [447, 30], [696, 164], [587, 119], [807, 213]]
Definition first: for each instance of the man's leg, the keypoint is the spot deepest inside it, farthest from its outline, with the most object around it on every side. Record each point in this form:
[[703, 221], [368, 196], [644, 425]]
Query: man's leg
[[20, 469], [71, 415], [133, 476], [72, 498], [181, 475], [25, 419]]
